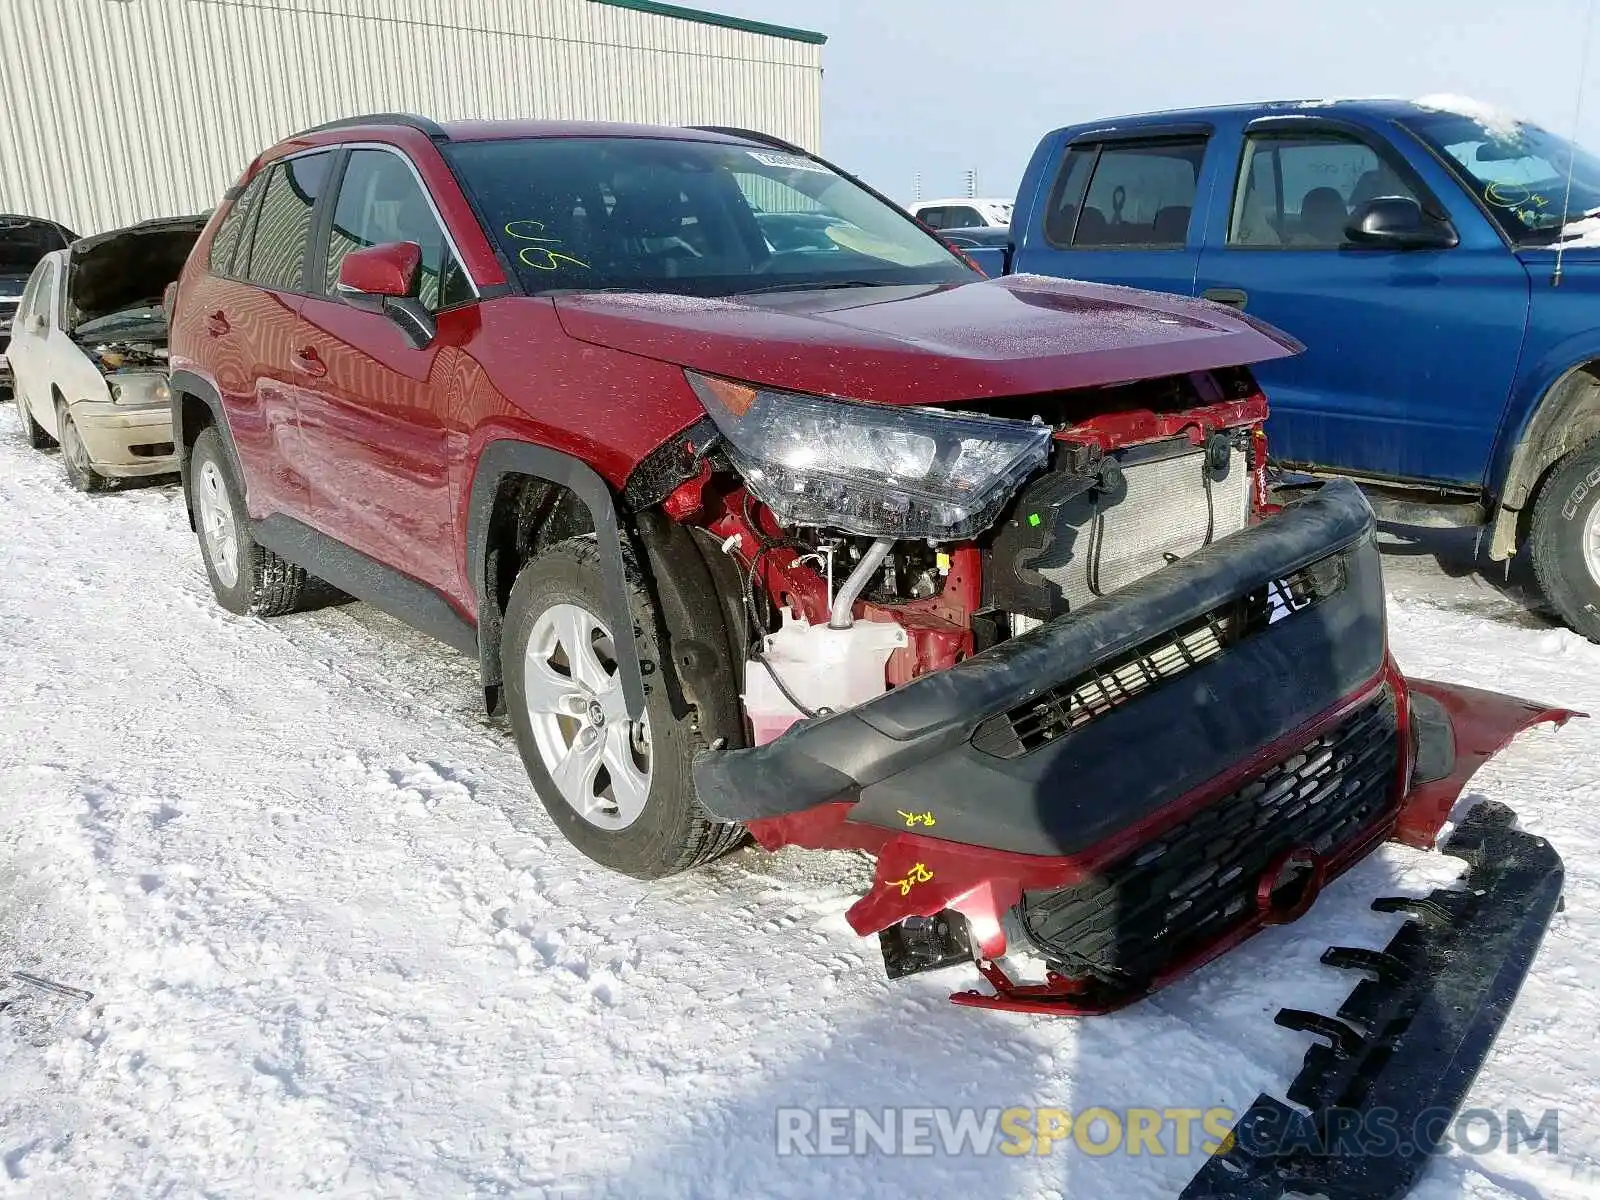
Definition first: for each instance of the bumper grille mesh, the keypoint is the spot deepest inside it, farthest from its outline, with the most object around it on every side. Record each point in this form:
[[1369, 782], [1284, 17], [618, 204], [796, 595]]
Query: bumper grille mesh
[[1170, 898], [1105, 688]]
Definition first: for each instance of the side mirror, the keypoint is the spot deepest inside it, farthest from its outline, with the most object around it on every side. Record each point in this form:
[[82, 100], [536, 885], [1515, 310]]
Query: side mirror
[[37, 323], [383, 278], [1398, 223]]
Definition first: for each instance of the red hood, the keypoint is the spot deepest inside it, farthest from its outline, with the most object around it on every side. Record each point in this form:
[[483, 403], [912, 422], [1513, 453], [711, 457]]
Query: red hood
[[926, 345]]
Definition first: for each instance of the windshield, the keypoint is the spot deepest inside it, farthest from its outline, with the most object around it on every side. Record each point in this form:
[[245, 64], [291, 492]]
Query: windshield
[[120, 322], [1518, 170], [700, 218]]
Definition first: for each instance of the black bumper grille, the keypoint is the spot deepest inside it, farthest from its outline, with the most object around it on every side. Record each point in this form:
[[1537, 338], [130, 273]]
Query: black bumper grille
[[1167, 900], [1110, 685]]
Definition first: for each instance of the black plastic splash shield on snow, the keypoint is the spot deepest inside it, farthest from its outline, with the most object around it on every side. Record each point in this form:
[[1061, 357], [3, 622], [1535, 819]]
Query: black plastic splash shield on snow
[[1398, 1060]]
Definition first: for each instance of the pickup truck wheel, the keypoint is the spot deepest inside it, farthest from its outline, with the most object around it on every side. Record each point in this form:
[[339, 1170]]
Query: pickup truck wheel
[[620, 791], [1564, 540], [32, 432], [246, 577]]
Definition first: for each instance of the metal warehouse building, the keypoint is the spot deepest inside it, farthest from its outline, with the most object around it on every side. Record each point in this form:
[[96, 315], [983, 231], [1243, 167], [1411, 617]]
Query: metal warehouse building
[[120, 110]]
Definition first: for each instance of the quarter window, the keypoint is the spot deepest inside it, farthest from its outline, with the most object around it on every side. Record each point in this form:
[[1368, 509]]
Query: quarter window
[[381, 201], [220, 260], [277, 254], [1300, 192], [1134, 195]]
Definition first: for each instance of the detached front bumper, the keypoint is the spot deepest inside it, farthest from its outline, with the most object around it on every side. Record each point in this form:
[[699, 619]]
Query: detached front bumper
[[1146, 782]]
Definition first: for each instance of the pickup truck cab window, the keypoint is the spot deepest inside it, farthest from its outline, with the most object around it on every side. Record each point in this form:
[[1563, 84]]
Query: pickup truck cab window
[[1134, 195], [660, 214], [1517, 172], [1299, 192]]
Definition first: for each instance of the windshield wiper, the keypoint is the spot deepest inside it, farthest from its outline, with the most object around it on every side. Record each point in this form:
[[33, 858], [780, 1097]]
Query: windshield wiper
[[815, 286]]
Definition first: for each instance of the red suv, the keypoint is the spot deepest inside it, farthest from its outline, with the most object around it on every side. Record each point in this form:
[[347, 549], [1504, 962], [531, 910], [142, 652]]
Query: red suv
[[763, 511]]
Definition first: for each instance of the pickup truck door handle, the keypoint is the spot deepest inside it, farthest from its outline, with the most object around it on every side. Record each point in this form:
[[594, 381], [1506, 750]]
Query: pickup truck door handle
[[307, 361], [1232, 297], [217, 323]]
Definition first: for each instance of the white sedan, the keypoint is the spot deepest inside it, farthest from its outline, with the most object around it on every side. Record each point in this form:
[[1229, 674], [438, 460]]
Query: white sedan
[[88, 352]]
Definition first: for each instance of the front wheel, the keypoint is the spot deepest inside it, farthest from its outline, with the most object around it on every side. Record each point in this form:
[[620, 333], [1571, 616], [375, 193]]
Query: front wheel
[[619, 790], [1564, 540], [75, 457]]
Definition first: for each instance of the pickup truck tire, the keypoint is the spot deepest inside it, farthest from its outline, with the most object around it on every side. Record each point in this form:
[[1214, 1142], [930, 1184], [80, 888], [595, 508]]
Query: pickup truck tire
[[246, 577], [626, 796], [1564, 540]]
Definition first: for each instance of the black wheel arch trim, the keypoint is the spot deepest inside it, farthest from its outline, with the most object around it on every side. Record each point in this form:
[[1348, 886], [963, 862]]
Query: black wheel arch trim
[[183, 383], [508, 456]]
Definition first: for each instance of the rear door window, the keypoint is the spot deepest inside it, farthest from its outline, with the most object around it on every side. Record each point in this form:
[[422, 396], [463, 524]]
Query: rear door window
[[220, 259], [282, 235], [1126, 195]]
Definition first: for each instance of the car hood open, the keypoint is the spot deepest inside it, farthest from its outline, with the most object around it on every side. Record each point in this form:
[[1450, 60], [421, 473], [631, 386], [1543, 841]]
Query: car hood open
[[128, 268], [924, 344]]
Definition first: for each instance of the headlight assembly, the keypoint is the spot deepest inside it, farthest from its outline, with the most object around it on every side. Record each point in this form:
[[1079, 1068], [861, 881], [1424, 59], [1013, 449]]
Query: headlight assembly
[[872, 469]]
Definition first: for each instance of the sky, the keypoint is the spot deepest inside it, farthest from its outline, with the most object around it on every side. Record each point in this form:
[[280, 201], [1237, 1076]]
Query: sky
[[943, 86]]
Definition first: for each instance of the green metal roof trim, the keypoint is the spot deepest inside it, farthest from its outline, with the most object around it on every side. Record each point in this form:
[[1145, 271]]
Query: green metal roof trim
[[711, 18]]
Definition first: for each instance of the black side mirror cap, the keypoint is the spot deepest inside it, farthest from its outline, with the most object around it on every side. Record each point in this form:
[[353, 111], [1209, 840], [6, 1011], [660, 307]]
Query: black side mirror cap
[[1399, 223]]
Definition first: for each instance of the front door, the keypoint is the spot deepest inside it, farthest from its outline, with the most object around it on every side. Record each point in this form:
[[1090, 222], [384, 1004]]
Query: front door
[[1410, 354], [374, 409], [1121, 212], [29, 328]]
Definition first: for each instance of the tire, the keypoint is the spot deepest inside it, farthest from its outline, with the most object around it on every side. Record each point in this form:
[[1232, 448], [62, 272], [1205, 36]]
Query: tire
[[75, 456], [1564, 540], [558, 596], [32, 432], [247, 578]]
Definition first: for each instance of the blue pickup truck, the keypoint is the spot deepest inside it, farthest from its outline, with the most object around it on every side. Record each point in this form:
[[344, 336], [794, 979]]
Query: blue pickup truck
[[1440, 262]]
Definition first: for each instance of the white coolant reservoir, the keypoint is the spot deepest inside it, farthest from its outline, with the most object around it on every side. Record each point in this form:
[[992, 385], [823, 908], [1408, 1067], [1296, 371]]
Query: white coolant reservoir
[[824, 668]]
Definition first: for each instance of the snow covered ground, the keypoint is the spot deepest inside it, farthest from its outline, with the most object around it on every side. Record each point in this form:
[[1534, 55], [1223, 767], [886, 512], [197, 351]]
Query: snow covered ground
[[323, 960]]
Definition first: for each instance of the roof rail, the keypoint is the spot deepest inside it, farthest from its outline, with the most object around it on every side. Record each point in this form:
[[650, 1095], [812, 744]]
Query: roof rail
[[766, 139], [422, 125]]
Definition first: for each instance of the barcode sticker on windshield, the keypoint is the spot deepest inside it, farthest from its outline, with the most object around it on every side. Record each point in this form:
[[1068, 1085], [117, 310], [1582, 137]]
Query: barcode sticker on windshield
[[787, 162]]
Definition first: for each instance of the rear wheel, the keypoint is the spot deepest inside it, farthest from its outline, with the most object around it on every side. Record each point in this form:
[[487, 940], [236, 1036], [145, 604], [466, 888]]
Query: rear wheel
[[75, 456], [32, 432], [246, 576], [1564, 540], [619, 790]]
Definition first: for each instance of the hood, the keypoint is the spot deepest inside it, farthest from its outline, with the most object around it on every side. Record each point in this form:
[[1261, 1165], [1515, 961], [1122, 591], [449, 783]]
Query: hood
[[23, 242], [128, 268], [924, 344]]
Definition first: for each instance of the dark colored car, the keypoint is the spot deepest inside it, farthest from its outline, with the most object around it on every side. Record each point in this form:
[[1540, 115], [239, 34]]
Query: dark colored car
[[977, 237], [853, 549], [23, 242]]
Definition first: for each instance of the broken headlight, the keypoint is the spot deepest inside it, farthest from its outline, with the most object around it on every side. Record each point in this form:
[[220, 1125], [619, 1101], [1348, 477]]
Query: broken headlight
[[872, 469]]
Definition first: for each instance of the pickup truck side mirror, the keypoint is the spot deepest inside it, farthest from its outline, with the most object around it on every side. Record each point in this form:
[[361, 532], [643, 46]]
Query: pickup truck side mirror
[[383, 278], [1398, 223]]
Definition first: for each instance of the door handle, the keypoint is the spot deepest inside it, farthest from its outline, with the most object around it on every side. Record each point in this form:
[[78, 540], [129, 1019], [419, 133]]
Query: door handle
[[1232, 297], [307, 361], [217, 323]]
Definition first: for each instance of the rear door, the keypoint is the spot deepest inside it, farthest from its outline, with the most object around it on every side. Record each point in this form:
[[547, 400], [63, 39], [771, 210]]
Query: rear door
[[374, 410], [250, 301], [1122, 209], [1410, 354]]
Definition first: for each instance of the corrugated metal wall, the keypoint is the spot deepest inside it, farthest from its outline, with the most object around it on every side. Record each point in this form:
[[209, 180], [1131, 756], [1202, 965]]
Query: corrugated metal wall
[[120, 110]]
